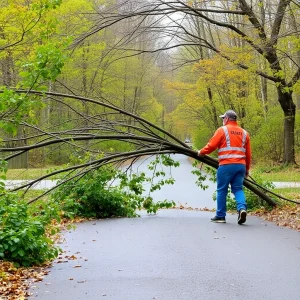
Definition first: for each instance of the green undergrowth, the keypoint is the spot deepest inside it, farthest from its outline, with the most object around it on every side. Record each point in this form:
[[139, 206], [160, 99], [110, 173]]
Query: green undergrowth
[[27, 231], [109, 192]]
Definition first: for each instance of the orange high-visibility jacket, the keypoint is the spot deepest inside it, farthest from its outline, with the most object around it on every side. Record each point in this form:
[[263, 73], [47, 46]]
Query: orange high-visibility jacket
[[233, 144]]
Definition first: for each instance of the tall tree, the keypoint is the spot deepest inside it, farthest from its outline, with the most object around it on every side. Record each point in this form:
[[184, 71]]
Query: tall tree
[[267, 39]]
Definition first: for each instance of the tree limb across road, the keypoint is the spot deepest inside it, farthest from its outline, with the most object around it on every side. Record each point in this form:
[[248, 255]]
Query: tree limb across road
[[144, 137]]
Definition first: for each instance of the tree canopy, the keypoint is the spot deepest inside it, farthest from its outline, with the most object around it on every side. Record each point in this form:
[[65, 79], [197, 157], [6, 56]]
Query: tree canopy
[[126, 78]]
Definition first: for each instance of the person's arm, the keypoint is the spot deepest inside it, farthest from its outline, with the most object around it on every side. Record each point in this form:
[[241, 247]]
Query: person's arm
[[213, 143]]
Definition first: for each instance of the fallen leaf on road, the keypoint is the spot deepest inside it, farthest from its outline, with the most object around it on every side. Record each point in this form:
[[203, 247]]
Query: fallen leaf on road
[[72, 257]]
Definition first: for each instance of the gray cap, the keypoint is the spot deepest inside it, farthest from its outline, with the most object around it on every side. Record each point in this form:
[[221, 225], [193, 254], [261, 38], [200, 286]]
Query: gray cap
[[230, 114]]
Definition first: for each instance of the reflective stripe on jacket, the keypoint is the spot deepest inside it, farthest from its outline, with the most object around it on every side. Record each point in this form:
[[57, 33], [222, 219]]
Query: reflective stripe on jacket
[[237, 150], [233, 144]]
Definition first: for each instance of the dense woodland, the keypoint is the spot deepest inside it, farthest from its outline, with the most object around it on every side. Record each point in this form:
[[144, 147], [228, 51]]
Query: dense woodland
[[177, 64]]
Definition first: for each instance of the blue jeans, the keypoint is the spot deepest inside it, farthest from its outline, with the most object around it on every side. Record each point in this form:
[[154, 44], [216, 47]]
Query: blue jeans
[[232, 174]]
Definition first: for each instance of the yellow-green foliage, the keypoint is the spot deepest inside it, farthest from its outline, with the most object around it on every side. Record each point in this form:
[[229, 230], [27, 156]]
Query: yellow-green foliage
[[267, 142], [230, 88]]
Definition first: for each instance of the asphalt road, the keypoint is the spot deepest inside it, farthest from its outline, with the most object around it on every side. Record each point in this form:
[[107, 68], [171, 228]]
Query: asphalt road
[[174, 255]]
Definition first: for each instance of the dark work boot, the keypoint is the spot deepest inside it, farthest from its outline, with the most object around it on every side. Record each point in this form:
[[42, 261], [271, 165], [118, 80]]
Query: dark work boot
[[242, 216], [218, 219]]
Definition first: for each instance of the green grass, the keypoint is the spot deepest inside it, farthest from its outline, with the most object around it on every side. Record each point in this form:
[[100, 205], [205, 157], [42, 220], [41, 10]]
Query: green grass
[[280, 177], [278, 173], [287, 190], [33, 173], [289, 193], [25, 174], [266, 173]]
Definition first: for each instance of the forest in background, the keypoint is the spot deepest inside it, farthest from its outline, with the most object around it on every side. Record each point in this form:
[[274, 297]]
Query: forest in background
[[177, 64]]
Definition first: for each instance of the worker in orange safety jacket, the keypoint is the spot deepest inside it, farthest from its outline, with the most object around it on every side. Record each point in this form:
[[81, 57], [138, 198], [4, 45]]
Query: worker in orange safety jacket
[[234, 155]]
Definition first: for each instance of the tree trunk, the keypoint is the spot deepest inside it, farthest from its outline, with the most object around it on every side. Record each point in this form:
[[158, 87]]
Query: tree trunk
[[214, 110], [289, 109]]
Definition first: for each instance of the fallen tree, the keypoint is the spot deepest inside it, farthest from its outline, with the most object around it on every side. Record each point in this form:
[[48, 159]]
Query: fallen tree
[[108, 123]]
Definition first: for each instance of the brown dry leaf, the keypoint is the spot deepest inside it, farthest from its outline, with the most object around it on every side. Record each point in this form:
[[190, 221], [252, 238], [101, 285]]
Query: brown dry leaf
[[14, 282], [62, 261], [72, 257], [286, 216]]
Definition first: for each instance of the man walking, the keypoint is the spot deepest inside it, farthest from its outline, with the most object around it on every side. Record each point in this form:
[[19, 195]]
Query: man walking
[[234, 154]]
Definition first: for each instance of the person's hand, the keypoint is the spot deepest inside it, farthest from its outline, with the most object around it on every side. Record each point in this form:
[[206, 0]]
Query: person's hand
[[247, 174], [199, 154]]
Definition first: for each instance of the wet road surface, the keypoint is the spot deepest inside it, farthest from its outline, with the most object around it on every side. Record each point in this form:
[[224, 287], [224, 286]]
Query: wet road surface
[[176, 255]]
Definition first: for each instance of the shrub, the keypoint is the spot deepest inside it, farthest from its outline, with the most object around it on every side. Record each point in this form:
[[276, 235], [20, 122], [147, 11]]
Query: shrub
[[23, 238], [92, 196], [107, 192]]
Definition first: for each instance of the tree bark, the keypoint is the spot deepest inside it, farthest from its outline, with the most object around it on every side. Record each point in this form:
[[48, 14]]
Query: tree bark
[[289, 109]]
